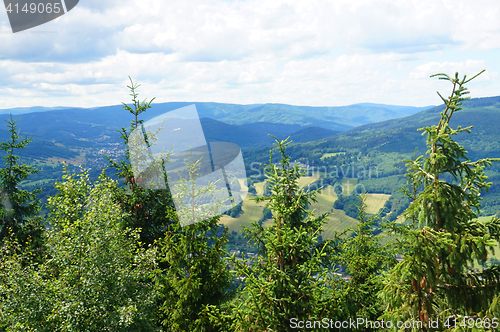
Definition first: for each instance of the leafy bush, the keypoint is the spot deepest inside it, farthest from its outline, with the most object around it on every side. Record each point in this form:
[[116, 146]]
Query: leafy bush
[[95, 275]]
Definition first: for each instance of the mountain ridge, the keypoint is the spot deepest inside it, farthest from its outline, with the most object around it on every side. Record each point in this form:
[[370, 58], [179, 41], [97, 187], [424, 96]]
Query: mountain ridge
[[401, 135], [338, 118]]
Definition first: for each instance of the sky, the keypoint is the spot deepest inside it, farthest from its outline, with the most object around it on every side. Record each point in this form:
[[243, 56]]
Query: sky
[[309, 53]]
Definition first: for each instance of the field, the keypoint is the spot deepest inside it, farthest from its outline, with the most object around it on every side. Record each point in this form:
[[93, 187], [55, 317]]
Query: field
[[259, 187], [307, 180], [252, 212], [374, 202], [337, 221], [332, 154], [37, 182], [78, 160], [349, 185]]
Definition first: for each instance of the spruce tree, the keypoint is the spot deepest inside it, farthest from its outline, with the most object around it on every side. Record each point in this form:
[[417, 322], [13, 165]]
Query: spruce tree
[[149, 210], [435, 284], [19, 207], [364, 257], [192, 279], [196, 282], [289, 281]]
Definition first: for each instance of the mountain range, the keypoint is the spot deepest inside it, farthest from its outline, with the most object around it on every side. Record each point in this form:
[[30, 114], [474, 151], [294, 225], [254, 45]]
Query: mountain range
[[246, 125], [337, 118], [338, 138], [382, 147], [401, 135]]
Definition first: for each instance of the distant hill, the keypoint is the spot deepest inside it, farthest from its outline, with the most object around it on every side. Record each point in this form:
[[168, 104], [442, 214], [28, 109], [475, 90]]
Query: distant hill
[[252, 136], [246, 125], [312, 133], [401, 135], [33, 109], [386, 143], [383, 146], [339, 118]]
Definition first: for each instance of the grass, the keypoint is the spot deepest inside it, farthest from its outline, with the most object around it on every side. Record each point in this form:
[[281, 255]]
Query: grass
[[303, 183], [77, 161], [37, 182], [259, 187], [349, 185], [375, 202], [243, 184], [325, 202], [252, 212], [483, 219], [307, 180], [327, 196], [332, 154], [336, 222], [267, 223]]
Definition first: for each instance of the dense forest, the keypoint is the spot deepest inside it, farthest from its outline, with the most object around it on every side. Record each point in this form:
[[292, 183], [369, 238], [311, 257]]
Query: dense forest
[[97, 251]]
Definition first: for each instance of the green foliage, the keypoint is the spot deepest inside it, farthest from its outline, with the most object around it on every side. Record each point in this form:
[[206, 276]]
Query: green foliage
[[364, 258], [235, 211], [289, 279], [347, 203], [95, 275], [116, 258], [252, 190], [267, 214], [267, 191], [398, 204], [196, 281], [19, 207], [138, 106], [151, 211], [25, 298], [442, 237]]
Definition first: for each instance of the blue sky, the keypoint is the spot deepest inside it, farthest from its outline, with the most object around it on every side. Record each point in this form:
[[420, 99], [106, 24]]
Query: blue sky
[[315, 52]]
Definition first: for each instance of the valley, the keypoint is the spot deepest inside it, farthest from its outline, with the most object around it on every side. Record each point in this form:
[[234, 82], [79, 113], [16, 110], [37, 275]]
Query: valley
[[367, 158]]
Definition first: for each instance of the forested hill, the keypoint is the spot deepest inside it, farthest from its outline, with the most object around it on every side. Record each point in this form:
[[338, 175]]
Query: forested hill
[[383, 146], [339, 118], [64, 132], [401, 135]]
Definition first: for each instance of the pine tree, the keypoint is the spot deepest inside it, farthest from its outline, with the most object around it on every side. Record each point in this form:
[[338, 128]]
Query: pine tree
[[364, 258], [289, 281], [149, 210], [197, 279], [442, 238], [19, 207]]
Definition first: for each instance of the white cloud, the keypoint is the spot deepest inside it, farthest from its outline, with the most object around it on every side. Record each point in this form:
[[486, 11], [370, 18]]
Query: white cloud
[[298, 52], [449, 68]]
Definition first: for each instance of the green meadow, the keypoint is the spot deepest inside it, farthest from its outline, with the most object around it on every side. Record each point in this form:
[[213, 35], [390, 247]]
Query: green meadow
[[337, 221]]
